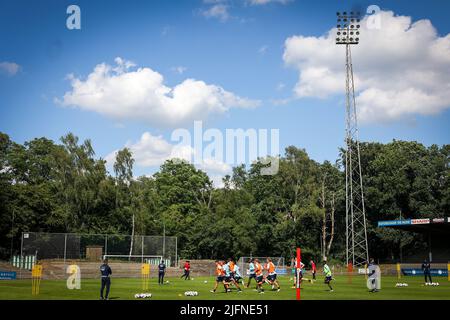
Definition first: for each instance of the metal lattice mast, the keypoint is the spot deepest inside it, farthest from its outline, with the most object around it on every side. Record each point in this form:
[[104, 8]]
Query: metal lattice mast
[[348, 30]]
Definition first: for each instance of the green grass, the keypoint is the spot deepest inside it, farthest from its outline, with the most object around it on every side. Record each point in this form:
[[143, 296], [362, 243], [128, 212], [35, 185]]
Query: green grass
[[174, 290]]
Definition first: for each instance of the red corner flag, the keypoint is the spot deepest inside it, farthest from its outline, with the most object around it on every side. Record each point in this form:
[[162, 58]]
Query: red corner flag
[[299, 259]]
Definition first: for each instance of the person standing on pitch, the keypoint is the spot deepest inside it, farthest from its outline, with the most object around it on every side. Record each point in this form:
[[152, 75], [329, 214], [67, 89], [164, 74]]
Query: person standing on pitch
[[105, 272], [298, 272], [373, 275], [187, 270], [426, 268], [161, 272], [313, 269], [328, 275]]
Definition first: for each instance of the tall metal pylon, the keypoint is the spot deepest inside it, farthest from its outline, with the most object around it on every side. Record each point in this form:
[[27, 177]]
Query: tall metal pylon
[[357, 253]]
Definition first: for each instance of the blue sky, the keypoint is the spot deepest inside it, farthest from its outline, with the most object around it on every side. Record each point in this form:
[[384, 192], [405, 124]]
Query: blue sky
[[240, 50]]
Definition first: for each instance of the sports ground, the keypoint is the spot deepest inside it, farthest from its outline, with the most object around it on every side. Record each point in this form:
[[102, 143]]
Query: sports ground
[[125, 289]]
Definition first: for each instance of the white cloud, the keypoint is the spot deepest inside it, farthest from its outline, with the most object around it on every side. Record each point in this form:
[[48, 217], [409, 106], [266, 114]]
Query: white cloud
[[124, 92], [10, 68], [401, 69], [262, 50], [152, 151], [218, 10], [179, 69], [165, 30], [280, 86]]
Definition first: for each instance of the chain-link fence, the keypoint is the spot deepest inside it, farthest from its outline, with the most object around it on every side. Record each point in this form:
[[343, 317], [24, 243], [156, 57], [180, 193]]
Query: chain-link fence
[[71, 246]]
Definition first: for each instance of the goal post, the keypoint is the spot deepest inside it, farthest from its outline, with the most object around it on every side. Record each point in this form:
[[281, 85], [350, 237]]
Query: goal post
[[149, 259]]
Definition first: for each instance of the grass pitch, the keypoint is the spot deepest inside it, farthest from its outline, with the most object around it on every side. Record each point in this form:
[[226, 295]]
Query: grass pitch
[[125, 289]]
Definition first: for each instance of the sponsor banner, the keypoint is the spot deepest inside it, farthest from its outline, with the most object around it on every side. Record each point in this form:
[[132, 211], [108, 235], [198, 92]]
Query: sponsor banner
[[281, 270], [420, 221], [7, 275], [389, 223], [419, 272], [438, 220]]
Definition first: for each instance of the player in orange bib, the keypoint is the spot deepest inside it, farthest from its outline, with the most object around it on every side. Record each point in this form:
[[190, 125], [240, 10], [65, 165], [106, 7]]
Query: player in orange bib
[[259, 276], [220, 276], [272, 274]]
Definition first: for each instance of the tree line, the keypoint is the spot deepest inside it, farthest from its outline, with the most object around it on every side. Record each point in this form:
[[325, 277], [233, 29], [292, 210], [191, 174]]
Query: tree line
[[63, 187]]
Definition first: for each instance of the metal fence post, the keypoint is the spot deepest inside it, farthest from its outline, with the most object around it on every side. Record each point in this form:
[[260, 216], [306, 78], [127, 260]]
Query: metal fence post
[[176, 252], [164, 239], [106, 244], [65, 248], [142, 249], [21, 256]]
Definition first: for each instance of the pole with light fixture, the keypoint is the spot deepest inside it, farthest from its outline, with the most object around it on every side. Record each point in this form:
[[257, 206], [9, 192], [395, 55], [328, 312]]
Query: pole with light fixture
[[357, 253]]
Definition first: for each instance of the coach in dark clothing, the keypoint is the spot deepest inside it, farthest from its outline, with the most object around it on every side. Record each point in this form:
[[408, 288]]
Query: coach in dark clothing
[[106, 272], [161, 272], [426, 268]]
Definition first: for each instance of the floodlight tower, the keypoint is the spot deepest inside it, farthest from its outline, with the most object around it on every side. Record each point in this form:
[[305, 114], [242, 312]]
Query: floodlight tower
[[357, 253]]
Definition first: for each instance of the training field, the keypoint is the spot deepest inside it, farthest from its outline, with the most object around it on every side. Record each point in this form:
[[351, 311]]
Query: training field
[[126, 289]]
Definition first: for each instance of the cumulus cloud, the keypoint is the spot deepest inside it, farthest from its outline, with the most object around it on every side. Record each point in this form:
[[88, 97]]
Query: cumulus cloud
[[401, 69], [123, 92], [9, 68], [151, 151]]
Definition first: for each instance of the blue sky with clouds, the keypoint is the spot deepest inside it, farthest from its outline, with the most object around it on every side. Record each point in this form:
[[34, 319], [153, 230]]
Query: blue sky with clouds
[[233, 63]]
